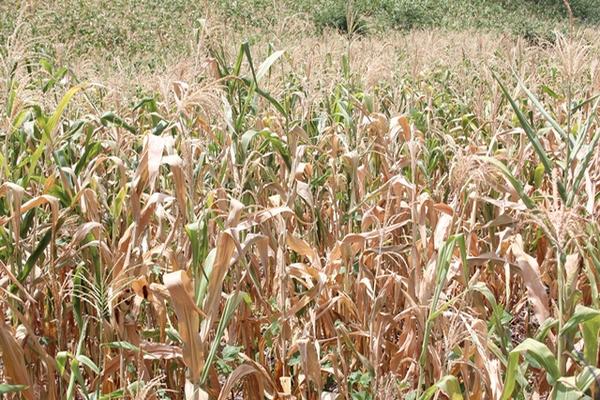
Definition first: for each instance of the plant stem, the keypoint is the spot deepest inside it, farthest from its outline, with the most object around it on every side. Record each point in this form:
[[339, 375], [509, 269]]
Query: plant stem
[[560, 346]]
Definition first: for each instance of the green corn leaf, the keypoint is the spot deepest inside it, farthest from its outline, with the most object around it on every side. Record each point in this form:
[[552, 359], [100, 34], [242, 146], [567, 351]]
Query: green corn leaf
[[238, 63], [449, 385], [590, 329], [116, 394], [538, 175], [538, 352], [531, 135], [52, 122], [544, 329], [198, 234], [246, 49], [584, 133], [123, 345], [542, 110], [85, 360], [91, 151], [581, 315], [231, 305], [207, 268], [34, 257], [442, 266], [112, 118], [582, 166], [513, 181], [584, 103], [566, 389], [7, 388], [247, 139], [61, 361], [279, 145]]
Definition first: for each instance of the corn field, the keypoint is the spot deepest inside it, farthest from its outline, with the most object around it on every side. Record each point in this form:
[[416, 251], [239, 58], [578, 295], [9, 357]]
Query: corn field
[[410, 217]]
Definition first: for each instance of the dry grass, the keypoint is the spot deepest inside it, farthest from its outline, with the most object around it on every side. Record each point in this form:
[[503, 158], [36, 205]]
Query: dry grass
[[358, 218]]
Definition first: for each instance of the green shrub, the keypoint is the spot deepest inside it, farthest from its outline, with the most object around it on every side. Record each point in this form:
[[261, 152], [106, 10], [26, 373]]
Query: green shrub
[[586, 10], [412, 14], [338, 14]]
